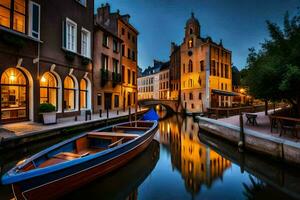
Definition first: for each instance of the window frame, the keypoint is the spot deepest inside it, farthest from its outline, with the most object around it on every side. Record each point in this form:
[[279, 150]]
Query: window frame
[[30, 20], [88, 42], [68, 21]]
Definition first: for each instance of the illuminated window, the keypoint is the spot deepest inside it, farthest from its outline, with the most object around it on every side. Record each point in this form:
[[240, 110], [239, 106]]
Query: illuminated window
[[16, 13], [48, 89], [14, 94], [83, 93], [191, 43], [69, 93]]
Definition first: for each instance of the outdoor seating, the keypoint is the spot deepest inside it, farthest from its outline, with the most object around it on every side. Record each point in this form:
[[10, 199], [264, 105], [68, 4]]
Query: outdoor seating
[[251, 119], [288, 126]]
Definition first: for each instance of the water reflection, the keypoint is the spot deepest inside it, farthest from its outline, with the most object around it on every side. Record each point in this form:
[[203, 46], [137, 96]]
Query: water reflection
[[197, 164], [185, 164]]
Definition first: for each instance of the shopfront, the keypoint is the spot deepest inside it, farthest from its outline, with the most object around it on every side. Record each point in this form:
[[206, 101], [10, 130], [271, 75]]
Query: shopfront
[[14, 96]]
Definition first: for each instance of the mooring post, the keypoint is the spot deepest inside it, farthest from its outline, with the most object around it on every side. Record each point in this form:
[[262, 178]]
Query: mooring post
[[100, 113], [118, 112], [241, 143], [129, 113], [107, 113]]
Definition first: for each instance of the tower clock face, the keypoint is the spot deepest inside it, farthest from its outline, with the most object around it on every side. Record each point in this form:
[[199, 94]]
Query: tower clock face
[[190, 53]]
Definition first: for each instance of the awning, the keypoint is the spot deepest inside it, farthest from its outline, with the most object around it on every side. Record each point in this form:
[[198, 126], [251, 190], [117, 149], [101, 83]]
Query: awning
[[224, 93]]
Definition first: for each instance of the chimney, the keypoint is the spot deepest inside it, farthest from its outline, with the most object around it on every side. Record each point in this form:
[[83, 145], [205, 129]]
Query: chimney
[[173, 46], [126, 18], [103, 13]]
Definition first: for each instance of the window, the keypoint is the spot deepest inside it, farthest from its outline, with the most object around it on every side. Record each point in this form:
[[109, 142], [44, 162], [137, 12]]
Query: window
[[191, 31], [70, 35], [213, 68], [133, 55], [183, 68], [190, 66], [128, 36], [123, 31], [115, 46], [123, 74], [34, 20], [104, 62], [191, 96], [99, 99], [123, 50], [82, 2], [12, 14], [128, 53], [133, 78], [191, 43], [133, 39], [105, 40], [200, 96], [85, 43], [83, 93], [116, 101], [69, 93], [14, 92], [48, 89], [222, 70], [128, 74], [115, 65], [226, 71]]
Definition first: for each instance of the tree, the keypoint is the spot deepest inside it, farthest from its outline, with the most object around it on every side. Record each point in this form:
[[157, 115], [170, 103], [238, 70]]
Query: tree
[[273, 72], [236, 77]]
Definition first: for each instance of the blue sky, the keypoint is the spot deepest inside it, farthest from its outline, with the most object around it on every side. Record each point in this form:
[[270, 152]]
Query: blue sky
[[240, 24]]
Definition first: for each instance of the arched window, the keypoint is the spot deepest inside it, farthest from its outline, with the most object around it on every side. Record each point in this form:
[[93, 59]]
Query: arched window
[[191, 43], [83, 93], [190, 66], [14, 95], [69, 93], [48, 89]]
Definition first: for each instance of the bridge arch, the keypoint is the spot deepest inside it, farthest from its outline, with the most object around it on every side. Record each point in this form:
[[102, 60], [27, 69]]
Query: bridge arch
[[172, 106]]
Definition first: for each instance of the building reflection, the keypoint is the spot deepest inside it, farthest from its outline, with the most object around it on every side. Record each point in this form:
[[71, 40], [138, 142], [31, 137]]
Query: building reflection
[[197, 164]]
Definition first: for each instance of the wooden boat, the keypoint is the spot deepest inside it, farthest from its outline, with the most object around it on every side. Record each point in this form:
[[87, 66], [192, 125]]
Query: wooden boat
[[79, 160], [121, 183]]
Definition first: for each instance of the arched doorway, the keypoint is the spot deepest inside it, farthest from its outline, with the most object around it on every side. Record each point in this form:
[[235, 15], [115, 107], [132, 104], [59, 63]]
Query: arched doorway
[[14, 96]]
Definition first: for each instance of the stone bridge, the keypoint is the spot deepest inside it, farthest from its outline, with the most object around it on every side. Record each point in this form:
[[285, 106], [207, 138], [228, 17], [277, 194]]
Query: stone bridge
[[171, 105]]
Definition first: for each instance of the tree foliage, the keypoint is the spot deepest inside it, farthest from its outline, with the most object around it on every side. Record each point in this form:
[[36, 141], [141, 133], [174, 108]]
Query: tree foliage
[[273, 72]]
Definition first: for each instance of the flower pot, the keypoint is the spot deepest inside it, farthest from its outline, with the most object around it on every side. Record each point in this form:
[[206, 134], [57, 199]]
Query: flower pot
[[49, 118]]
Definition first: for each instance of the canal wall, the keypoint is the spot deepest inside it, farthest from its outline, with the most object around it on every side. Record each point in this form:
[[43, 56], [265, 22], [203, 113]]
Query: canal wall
[[278, 148], [76, 128], [283, 178]]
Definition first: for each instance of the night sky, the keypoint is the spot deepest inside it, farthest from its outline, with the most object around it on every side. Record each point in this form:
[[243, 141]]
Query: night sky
[[240, 24]]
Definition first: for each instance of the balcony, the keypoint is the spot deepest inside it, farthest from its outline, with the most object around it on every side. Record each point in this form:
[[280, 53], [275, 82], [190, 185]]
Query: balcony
[[116, 78], [108, 76]]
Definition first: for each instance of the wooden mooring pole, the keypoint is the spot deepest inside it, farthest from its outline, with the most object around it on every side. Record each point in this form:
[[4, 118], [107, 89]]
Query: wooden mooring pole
[[241, 143]]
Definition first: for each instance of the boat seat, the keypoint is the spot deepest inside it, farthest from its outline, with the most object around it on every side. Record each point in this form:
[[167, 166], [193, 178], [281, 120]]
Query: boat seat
[[116, 143], [70, 155], [112, 134]]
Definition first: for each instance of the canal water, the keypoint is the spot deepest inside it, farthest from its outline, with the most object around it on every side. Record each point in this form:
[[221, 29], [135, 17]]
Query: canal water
[[182, 163]]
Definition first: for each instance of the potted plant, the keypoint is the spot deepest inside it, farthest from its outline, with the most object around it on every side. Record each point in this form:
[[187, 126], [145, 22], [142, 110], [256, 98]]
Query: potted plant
[[49, 113]]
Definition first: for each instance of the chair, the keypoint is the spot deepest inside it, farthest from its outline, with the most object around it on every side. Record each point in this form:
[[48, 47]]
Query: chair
[[286, 126]]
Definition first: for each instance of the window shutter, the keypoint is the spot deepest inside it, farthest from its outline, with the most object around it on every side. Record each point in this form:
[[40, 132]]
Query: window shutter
[[64, 34]]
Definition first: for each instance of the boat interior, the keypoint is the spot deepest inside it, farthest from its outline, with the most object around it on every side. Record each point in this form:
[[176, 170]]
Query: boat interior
[[90, 143]]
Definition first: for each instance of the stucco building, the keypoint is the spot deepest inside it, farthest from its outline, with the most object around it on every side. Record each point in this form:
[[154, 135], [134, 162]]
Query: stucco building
[[45, 56], [205, 71], [107, 61]]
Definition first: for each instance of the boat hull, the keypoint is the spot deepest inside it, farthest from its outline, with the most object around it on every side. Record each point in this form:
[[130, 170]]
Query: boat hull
[[65, 184]]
